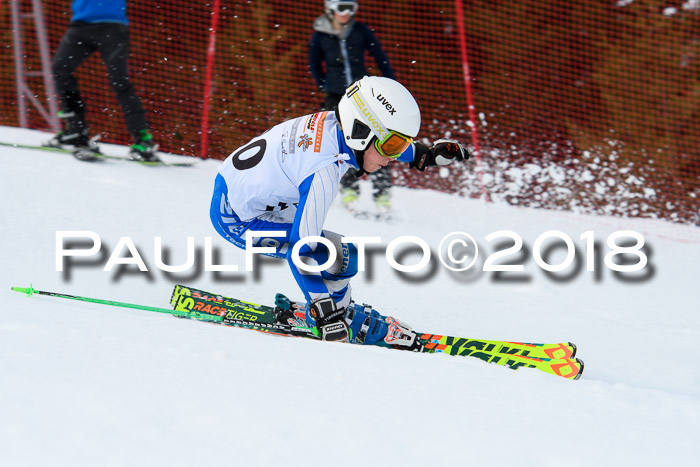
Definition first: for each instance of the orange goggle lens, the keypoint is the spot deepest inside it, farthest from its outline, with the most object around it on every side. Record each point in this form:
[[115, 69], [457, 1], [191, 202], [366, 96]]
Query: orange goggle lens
[[393, 146]]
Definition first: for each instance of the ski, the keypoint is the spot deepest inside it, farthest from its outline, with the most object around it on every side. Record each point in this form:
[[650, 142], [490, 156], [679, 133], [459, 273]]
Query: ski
[[89, 156], [455, 345], [388, 216], [558, 357], [188, 299], [570, 368], [191, 299]]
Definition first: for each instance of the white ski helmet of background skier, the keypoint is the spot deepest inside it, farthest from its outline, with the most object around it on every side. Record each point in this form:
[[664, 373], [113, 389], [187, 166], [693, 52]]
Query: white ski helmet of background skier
[[340, 6]]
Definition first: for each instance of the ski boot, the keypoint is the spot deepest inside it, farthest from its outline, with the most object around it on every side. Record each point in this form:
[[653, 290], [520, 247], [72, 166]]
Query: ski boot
[[383, 203], [365, 325], [75, 138], [368, 327], [144, 150]]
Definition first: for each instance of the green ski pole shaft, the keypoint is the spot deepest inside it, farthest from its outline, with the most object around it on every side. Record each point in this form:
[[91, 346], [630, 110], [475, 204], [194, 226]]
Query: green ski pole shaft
[[31, 291]]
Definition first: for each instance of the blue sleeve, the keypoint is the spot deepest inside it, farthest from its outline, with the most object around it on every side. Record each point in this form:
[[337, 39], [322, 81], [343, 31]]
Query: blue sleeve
[[316, 59], [408, 155], [376, 50]]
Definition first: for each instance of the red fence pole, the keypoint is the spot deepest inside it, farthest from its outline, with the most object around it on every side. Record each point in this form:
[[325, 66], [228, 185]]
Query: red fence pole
[[207, 79], [470, 97]]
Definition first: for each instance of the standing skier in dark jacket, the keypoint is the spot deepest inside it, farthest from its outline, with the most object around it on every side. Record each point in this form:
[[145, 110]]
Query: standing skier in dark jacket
[[340, 43]]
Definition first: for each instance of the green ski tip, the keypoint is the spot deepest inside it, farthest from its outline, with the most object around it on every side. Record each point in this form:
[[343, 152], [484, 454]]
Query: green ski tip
[[26, 290]]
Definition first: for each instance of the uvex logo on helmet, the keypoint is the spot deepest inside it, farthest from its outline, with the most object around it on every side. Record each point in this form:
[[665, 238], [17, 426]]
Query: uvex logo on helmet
[[385, 102], [367, 113], [373, 121]]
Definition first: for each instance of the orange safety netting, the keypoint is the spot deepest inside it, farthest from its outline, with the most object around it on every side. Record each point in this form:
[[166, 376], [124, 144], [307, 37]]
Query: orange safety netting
[[583, 106]]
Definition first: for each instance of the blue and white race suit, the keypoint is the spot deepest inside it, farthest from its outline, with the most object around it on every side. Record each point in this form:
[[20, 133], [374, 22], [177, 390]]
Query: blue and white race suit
[[286, 180]]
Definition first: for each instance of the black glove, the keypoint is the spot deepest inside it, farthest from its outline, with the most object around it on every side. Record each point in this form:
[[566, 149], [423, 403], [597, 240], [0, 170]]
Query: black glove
[[447, 151], [329, 320], [442, 152]]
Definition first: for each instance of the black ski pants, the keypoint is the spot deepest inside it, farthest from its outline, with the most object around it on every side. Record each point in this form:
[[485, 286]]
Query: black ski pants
[[112, 41]]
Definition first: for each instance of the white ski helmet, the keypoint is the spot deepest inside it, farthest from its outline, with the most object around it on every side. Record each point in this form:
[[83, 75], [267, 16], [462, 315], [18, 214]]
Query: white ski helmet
[[379, 107], [341, 6]]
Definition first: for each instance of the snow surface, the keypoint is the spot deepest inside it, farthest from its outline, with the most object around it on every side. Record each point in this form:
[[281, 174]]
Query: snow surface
[[84, 384]]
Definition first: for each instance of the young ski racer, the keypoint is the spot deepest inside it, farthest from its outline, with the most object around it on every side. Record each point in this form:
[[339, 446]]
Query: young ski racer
[[283, 182]]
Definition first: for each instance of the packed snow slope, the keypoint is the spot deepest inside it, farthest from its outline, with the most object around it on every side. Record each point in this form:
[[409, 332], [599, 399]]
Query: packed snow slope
[[83, 384]]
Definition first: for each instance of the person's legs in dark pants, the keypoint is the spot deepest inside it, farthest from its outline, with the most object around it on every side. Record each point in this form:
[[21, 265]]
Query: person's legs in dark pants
[[381, 184], [113, 45], [74, 48]]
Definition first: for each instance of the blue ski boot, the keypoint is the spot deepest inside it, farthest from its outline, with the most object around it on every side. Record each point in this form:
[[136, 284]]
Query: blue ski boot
[[368, 327]]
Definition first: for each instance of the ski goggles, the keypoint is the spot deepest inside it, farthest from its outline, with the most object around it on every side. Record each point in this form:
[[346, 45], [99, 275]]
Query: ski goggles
[[344, 8], [393, 145]]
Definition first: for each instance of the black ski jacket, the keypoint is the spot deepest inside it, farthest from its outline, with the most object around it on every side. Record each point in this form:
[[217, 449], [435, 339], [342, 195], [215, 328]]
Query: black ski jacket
[[331, 47]]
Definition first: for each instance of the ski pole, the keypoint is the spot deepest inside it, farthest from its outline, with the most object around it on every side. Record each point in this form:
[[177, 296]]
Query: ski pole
[[185, 314]]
